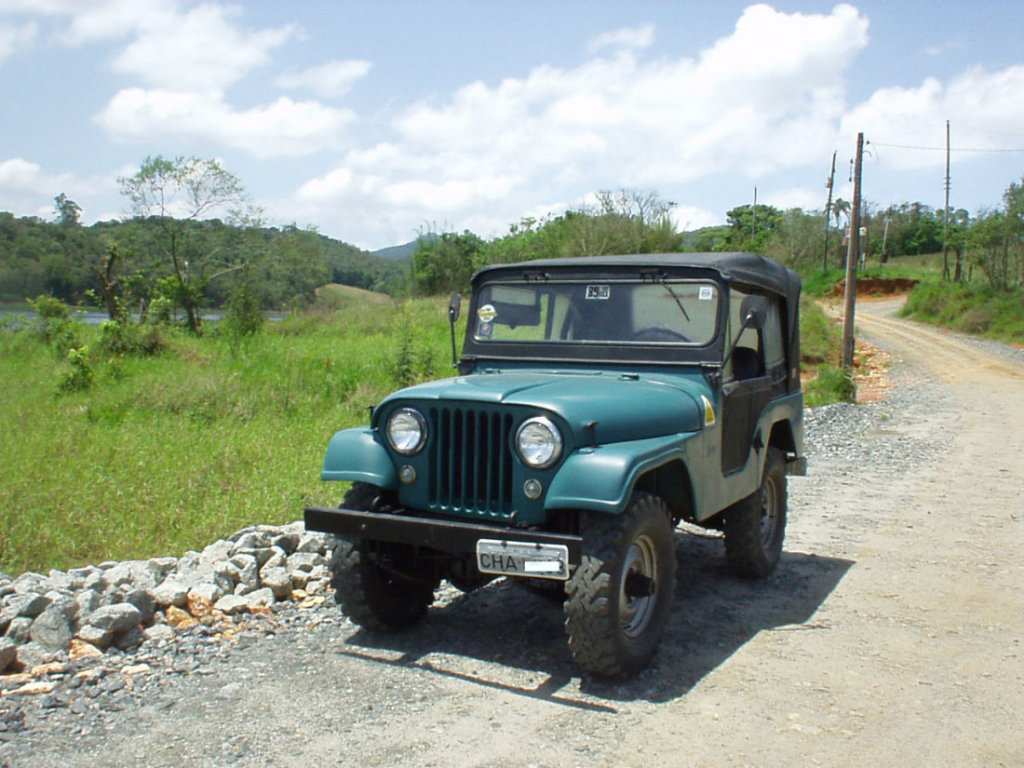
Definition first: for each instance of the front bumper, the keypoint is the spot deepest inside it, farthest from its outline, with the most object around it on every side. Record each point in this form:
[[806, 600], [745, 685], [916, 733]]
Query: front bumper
[[452, 536]]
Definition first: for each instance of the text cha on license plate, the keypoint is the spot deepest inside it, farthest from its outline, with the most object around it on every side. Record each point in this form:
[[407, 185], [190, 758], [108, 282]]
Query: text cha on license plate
[[512, 558]]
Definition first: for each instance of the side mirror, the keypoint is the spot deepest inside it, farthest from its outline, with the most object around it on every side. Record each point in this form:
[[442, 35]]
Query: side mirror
[[754, 312]]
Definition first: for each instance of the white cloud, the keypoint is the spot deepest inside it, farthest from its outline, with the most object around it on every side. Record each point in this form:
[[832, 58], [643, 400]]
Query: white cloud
[[690, 217], [796, 197], [201, 50], [15, 37], [768, 96], [172, 45], [282, 128], [25, 186], [329, 80], [100, 20], [20, 175], [628, 37], [984, 108]]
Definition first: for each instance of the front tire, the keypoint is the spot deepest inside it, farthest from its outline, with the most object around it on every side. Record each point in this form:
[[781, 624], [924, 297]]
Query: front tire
[[755, 527], [379, 585], [619, 597]]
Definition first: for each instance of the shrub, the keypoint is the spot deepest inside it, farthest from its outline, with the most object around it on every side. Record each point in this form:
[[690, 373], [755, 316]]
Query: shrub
[[242, 316], [832, 384], [127, 339], [81, 375]]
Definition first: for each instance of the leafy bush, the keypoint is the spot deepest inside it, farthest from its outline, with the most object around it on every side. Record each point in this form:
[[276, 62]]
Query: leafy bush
[[831, 385], [50, 309], [56, 326], [129, 339], [242, 316], [81, 375]]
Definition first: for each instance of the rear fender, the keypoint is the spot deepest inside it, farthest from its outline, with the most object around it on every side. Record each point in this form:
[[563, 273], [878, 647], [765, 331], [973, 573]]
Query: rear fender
[[356, 455]]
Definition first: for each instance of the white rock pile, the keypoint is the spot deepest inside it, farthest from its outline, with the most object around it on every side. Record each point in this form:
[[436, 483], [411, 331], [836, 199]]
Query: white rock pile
[[86, 611]]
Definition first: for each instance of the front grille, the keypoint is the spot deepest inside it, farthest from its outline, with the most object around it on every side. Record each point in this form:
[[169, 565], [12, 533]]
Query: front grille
[[472, 462]]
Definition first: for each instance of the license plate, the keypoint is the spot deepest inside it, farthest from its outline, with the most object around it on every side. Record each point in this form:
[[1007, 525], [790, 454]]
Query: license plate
[[517, 558]]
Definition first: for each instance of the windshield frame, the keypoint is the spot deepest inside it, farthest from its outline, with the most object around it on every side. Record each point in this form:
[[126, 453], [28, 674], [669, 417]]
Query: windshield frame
[[705, 352]]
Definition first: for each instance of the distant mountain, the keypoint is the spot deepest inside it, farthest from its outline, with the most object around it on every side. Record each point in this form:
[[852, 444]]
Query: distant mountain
[[403, 252]]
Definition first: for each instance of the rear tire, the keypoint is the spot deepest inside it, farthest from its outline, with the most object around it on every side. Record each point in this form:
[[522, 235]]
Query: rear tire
[[756, 526], [619, 597], [378, 584]]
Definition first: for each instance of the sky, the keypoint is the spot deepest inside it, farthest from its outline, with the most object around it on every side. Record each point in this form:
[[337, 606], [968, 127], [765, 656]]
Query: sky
[[373, 121]]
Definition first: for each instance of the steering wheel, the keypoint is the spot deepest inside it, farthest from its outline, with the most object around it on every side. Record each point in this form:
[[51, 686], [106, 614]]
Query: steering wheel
[[658, 333]]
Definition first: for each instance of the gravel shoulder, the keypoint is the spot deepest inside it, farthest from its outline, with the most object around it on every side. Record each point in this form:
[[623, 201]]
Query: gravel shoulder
[[890, 634]]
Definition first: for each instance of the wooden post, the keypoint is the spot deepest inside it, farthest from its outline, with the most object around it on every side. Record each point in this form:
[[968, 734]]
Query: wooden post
[[828, 211], [945, 216], [852, 256]]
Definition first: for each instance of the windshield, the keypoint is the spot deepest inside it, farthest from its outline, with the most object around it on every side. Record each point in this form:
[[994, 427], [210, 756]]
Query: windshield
[[621, 312]]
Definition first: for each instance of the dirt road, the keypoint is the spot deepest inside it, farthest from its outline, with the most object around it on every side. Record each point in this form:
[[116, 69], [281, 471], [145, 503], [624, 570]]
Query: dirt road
[[890, 635]]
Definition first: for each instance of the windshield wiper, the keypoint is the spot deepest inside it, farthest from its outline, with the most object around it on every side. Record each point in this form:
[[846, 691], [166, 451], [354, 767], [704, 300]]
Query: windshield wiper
[[672, 293]]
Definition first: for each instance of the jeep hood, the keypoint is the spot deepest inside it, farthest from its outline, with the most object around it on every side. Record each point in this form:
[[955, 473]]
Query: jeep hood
[[623, 406]]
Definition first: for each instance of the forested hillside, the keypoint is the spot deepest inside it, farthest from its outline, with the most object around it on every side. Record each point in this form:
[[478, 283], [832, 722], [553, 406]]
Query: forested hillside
[[67, 260]]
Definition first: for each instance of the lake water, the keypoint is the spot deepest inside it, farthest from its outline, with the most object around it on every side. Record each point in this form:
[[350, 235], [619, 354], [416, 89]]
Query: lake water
[[95, 317]]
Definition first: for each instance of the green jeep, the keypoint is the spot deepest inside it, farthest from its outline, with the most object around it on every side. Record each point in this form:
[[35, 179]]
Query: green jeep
[[600, 401]]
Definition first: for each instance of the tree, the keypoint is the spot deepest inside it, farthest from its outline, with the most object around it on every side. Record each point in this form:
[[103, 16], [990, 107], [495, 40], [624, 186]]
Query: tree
[[796, 242], [1013, 202], [68, 211], [175, 193], [445, 264], [752, 226], [623, 221], [840, 209]]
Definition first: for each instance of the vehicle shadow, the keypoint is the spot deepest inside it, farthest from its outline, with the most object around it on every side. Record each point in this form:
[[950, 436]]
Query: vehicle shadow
[[512, 637]]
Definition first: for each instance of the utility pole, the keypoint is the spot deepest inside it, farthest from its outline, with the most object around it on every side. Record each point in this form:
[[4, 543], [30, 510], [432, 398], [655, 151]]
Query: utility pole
[[828, 210], [852, 256], [945, 217]]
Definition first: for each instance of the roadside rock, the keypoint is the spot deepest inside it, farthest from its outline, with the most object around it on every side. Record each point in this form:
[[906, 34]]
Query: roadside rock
[[93, 611], [8, 652], [52, 629]]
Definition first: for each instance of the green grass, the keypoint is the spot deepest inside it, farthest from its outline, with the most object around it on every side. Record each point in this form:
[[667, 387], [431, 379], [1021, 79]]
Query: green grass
[[970, 308], [167, 453], [819, 350]]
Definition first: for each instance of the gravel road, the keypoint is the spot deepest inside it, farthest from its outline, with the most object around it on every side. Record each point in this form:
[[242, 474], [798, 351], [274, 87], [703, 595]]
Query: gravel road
[[890, 634]]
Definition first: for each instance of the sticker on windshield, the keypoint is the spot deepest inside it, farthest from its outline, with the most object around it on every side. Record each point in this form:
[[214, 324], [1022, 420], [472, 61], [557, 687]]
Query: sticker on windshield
[[599, 292], [706, 293], [487, 313]]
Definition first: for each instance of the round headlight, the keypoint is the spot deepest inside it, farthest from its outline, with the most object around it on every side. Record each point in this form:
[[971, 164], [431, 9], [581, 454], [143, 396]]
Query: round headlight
[[539, 442], [407, 431]]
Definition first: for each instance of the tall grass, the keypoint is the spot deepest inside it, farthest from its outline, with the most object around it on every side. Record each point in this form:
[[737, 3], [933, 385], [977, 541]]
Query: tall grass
[[166, 453], [970, 308]]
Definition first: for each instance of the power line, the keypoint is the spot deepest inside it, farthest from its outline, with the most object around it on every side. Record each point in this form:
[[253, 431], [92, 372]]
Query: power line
[[939, 149]]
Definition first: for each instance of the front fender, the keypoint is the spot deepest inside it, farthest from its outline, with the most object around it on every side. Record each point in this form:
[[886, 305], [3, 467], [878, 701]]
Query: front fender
[[602, 478], [357, 455]]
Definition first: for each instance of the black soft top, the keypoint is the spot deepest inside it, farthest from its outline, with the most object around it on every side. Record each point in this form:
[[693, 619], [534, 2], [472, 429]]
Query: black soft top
[[734, 267]]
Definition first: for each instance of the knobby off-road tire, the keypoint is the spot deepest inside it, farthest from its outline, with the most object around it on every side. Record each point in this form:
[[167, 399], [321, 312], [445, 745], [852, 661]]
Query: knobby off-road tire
[[619, 598], [373, 582], [755, 527]]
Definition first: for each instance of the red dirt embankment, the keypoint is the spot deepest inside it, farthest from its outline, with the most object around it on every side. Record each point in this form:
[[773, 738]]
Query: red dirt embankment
[[877, 286]]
